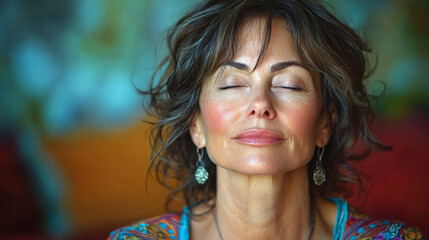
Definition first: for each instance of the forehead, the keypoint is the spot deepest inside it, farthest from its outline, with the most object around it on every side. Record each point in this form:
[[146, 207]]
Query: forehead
[[255, 41], [258, 25]]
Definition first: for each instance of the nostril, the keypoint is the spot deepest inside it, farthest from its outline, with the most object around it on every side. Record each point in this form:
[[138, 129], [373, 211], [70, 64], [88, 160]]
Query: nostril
[[261, 114]]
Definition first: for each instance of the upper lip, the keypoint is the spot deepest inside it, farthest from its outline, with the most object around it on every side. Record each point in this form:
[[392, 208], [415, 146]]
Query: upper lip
[[259, 133]]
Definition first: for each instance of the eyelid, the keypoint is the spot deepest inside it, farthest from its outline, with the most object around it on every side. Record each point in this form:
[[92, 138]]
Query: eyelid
[[289, 85], [232, 81], [289, 81]]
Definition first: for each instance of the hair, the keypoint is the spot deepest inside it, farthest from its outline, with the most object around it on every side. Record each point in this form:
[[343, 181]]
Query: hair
[[205, 38]]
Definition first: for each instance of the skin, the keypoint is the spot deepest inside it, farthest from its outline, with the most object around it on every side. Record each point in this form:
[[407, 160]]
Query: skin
[[262, 181]]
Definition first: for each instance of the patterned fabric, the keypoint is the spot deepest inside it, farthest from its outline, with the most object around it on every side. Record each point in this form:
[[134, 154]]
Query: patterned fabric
[[359, 226], [161, 227], [350, 225]]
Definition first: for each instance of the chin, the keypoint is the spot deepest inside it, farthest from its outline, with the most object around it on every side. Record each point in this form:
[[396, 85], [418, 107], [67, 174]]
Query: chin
[[260, 166]]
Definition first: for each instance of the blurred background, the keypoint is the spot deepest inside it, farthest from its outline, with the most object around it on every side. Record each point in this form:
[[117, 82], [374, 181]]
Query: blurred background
[[74, 149]]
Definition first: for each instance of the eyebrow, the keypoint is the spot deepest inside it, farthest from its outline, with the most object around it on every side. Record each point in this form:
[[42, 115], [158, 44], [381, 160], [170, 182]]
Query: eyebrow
[[282, 65], [239, 66], [274, 68]]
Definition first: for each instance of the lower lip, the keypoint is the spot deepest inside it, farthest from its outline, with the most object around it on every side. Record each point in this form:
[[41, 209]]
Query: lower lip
[[259, 141]]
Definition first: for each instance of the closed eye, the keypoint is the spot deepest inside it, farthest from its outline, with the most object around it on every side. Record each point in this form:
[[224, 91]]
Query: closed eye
[[229, 87], [291, 88]]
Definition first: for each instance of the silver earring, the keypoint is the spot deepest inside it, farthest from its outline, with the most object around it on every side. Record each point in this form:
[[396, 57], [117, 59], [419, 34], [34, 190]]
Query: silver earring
[[319, 175], [201, 174]]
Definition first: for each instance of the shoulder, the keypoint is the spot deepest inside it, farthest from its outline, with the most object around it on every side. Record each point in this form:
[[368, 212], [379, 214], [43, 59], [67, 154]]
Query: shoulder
[[360, 226], [159, 227]]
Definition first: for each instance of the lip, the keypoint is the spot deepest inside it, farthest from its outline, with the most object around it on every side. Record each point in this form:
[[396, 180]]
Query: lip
[[259, 137]]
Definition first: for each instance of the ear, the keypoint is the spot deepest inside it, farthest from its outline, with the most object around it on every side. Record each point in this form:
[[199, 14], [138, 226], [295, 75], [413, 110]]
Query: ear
[[326, 125], [196, 129]]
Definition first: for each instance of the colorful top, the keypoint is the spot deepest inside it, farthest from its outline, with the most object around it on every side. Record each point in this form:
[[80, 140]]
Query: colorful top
[[349, 225]]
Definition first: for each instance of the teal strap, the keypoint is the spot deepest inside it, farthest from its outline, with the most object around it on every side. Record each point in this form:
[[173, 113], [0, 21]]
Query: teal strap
[[184, 225], [342, 216]]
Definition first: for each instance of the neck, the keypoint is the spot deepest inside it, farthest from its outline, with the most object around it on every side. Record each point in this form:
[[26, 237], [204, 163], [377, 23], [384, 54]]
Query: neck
[[263, 206]]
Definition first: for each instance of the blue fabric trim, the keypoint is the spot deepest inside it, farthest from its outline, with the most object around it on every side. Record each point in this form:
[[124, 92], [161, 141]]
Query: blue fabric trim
[[342, 216], [184, 225]]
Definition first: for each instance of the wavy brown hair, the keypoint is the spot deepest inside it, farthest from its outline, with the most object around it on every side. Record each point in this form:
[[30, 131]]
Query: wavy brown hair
[[205, 38]]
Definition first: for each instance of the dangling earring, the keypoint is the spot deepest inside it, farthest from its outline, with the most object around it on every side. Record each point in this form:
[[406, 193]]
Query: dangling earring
[[201, 174], [319, 175]]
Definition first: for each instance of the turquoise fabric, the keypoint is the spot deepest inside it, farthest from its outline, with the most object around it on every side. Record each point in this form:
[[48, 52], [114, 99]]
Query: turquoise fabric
[[342, 216], [184, 225]]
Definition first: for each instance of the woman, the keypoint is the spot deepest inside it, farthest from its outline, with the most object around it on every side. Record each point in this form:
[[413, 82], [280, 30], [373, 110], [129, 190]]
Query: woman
[[259, 108]]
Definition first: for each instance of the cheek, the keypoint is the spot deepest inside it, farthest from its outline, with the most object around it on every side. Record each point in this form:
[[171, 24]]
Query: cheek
[[303, 120], [217, 117]]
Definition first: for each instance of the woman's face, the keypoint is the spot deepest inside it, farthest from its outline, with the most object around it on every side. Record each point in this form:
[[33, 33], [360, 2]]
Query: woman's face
[[266, 121]]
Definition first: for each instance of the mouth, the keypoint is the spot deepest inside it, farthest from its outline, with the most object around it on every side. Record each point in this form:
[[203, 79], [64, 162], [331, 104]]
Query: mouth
[[259, 137]]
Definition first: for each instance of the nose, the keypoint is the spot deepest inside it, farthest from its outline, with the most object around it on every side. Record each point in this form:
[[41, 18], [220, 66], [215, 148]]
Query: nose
[[261, 107]]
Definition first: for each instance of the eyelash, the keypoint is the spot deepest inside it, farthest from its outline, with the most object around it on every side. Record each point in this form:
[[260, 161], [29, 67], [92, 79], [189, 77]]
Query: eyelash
[[228, 87], [292, 88], [236, 86]]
